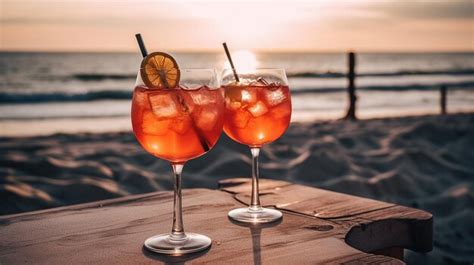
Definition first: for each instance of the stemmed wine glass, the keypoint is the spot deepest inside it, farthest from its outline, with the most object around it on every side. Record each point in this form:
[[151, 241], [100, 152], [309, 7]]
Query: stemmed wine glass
[[257, 112], [177, 122]]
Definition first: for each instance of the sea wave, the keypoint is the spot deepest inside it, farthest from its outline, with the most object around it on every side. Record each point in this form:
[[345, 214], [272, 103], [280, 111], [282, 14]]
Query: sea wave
[[63, 117], [311, 74], [101, 77], [19, 98], [330, 74], [405, 87], [13, 98]]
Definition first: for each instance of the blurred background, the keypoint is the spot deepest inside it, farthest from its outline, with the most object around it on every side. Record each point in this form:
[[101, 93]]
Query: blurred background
[[68, 69]]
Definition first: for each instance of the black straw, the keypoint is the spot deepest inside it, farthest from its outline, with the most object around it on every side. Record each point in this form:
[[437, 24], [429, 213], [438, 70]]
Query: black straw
[[230, 61], [141, 44]]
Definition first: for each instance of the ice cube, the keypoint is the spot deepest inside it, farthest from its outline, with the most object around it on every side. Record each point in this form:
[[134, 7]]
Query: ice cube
[[274, 85], [163, 105], [274, 97], [232, 105], [204, 96], [259, 82], [185, 101], [206, 118], [240, 94], [281, 111], [181, 124], [241, 118], [258, 109], [233, 94], [151, 125], [140, 97], [249, 95]]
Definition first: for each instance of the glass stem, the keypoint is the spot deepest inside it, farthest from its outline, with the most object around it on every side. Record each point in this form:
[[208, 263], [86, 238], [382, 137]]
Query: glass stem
[[177, 232], [255, 201]]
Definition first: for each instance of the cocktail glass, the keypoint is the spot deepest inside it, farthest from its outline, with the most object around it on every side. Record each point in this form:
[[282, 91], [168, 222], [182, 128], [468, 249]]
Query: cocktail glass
[[178, 124], [257, 112]]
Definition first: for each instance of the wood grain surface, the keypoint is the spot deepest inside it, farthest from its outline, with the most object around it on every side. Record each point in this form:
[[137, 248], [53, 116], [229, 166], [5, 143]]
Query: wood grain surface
[[318, 227]]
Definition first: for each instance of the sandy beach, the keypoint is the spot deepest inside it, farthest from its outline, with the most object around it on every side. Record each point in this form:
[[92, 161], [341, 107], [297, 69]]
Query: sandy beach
[[423, 162]]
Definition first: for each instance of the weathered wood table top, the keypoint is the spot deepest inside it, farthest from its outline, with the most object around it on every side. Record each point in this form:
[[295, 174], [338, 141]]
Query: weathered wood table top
[[318, 226]]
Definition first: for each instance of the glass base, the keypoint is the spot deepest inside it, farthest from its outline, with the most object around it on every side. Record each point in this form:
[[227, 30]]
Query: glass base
[[191, 244], [261, 215]]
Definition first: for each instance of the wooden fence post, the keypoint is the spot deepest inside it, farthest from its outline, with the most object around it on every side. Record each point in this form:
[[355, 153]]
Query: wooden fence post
[[442, 100], [351, 110]]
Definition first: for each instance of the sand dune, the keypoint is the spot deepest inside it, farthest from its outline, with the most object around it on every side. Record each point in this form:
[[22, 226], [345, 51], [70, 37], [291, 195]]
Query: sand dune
[[424, 162]]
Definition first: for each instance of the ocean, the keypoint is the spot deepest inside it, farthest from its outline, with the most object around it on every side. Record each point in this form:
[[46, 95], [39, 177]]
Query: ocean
[[43, 93]]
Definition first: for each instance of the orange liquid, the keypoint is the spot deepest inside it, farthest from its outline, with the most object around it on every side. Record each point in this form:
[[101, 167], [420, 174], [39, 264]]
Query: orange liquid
[[175, 124], [256, 115]]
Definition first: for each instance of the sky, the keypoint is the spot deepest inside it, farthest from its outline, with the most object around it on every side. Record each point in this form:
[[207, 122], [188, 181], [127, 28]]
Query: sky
[[265, 25]]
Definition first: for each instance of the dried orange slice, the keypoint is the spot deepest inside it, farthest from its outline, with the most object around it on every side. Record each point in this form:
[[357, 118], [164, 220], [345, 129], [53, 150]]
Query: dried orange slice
[[160, 70]]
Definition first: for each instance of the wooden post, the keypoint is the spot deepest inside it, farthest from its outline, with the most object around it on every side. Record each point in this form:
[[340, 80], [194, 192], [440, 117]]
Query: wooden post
[[351, 110], [442, 100]]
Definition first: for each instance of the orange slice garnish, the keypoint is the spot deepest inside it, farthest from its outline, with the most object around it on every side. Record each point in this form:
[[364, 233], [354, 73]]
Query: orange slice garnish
[[160, 70]]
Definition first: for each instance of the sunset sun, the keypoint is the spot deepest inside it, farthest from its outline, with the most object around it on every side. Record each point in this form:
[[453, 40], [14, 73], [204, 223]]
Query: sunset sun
[[244, 61]]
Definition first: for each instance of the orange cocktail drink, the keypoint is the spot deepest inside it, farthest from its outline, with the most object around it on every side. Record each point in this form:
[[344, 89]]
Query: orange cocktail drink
[[256, 114], [177, 124]]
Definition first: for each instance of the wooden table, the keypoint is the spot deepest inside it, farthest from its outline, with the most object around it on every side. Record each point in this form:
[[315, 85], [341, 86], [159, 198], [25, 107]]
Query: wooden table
[[318, 226]]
